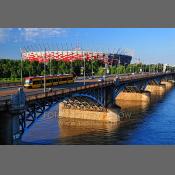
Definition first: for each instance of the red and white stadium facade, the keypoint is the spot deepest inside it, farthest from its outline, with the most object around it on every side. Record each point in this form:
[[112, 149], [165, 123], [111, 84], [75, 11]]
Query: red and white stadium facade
[[66, 56]]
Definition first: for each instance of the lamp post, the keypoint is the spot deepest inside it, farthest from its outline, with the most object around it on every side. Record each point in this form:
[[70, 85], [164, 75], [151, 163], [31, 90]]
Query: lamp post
[[50, 66], [92, 61], [71, 67], [142, 67], [118, 64], [50, 58], [84, 70], [45, 70], [21, 68]]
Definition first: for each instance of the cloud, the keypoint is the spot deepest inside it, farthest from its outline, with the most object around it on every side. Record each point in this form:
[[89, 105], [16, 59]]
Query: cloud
[[31, 34], [3, 34]]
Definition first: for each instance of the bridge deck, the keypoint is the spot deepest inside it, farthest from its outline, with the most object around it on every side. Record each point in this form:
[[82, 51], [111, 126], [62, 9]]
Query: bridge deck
[[39, 94]]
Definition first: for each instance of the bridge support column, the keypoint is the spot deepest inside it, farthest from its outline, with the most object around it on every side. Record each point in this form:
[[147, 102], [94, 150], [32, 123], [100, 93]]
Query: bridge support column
[[156, 89], [143, 96], [103, 116], [11, 123], [169, 84], [9, 127]]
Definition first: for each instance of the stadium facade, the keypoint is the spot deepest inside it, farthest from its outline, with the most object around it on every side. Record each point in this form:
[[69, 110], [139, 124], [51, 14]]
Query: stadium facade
[[70, 56]]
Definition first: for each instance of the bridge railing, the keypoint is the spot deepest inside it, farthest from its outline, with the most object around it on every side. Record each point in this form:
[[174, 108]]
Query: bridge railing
[[141, 76], [65, 91], [9, 84]]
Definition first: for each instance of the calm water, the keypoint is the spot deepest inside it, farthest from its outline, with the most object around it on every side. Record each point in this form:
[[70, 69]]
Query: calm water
[[152, 123]]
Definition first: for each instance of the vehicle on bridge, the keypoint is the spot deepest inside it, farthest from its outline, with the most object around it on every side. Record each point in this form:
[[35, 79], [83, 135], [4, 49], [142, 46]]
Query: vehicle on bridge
[[52, 80]]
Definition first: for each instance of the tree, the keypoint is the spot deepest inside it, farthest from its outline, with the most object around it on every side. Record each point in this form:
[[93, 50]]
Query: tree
[[120, 69], [101, 71]]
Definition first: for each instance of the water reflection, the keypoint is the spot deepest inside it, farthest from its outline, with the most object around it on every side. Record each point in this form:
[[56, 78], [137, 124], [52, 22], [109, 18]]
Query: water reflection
[[156, 98], [79, 126], [78, 131], [132, 106]]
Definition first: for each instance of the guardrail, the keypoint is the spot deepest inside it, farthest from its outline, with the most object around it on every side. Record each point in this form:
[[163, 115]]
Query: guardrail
[[68, 90], [5, 84], [39, 95]]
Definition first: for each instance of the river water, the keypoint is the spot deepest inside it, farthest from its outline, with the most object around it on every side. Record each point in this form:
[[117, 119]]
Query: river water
[[149, 124]]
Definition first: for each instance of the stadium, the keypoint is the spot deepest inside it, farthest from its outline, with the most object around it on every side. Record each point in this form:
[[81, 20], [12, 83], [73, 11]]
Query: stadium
[[70, 56]]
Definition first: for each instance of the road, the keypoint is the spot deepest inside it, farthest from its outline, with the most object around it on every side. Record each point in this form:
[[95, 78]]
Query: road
[[8, 91]]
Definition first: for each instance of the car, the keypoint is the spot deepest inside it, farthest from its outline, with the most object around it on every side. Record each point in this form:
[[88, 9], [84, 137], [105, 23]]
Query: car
[[117, 78], [90, 78], [104, 77], [101, 79]]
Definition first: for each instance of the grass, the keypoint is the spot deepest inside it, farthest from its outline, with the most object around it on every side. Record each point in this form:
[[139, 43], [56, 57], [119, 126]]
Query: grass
[[10, 80]]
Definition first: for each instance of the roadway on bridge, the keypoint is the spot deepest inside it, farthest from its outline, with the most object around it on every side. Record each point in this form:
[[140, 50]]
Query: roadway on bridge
[[8, 91], [5, 91]]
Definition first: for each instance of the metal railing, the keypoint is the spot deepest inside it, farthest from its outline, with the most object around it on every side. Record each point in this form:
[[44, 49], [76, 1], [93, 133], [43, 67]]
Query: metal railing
[[68, 90], [8, 84]]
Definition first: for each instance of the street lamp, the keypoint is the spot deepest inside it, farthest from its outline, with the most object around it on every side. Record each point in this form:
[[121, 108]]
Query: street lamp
[[21, 68], [84, 68], [143, 67], [92, 66], [45, 71], [50, 66], [71, 67], [118, 64]]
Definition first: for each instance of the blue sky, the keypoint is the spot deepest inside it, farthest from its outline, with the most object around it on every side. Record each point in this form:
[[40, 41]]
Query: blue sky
[[151, 45]]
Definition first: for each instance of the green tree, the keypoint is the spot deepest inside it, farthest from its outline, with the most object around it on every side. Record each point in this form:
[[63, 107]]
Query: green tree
[[101, 71]]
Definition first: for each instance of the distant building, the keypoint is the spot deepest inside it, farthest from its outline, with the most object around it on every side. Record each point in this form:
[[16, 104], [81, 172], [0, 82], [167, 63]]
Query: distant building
[[120, 59], [165, 66]]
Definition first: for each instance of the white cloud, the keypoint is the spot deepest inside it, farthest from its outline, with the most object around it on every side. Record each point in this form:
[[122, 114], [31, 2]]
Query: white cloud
[[30, 34], [3, 34]]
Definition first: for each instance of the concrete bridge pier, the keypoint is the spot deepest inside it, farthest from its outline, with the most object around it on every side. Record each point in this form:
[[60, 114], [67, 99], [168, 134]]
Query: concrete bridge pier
[[9, 127], [9, 118], [142, 96], [168, 84], [156, 89], [84, 109]]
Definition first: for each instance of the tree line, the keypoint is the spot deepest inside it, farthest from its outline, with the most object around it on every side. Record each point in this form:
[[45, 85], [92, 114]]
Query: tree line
[[12, 68]]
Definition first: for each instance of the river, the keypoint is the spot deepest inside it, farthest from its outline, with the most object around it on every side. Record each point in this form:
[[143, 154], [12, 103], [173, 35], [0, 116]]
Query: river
[[150, 124]]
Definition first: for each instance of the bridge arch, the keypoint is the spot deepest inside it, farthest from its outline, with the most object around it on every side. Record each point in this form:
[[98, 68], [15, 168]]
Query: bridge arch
[[90, 97]]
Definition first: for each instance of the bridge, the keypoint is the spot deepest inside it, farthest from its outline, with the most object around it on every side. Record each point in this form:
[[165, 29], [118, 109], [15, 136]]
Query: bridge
[[18, 113]]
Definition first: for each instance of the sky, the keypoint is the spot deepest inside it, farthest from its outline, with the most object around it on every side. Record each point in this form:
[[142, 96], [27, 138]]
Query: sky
[[151, 45]]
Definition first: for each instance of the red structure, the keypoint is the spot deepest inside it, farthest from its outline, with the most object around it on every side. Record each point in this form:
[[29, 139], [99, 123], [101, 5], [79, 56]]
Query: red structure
[[66, 56]]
